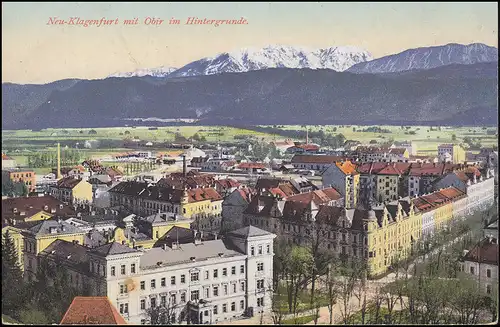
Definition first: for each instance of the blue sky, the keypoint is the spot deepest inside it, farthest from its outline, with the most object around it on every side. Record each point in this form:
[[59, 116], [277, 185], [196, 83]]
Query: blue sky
[[34, 52]]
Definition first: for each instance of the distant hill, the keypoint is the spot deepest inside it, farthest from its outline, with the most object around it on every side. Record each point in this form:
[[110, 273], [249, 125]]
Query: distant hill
[[462, 94], [428, 57]]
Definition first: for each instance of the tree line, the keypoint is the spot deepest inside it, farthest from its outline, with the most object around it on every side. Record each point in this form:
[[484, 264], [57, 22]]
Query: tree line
[[69, 157]]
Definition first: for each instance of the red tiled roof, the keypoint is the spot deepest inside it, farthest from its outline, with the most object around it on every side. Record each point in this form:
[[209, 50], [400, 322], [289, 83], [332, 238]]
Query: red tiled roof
[[227, 183], [245, 193], [319, 196], [6, 157], [308, 146], [452, 193], [92, 310], [371, 168], [347, 167], [484, 252]]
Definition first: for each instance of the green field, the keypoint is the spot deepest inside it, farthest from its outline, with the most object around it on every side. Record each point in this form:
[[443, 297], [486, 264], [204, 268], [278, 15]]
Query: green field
[[20, 144]]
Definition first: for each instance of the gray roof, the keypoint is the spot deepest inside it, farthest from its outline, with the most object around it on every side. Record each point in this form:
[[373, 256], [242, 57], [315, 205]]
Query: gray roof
[[62, 227], [204, 251], [249, 231], [94, 238], [112, 249], [164, 217], [69, 252]]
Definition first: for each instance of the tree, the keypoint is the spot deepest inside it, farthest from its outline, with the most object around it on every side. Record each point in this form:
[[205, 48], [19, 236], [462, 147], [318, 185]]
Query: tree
[[160, 315], [92, 131], [331, 291], [278, 303], [298, 272], [346, 288], [12, 280], [373, 142], [453, 137], [196, 137]]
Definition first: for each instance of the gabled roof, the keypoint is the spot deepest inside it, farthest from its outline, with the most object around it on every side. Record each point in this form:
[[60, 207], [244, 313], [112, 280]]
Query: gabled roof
[[347, 167], [68, 182], [58, 227], [92, 310], [249, 231], [33, 205], [112, 249], [316, 159], [484, 252]]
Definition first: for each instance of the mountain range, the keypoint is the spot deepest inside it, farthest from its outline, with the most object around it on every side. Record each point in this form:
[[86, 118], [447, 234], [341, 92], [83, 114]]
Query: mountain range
[[427, 58], [458, 94]]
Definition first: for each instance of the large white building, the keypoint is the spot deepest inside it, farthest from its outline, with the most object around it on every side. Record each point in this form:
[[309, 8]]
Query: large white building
[[203, 282]]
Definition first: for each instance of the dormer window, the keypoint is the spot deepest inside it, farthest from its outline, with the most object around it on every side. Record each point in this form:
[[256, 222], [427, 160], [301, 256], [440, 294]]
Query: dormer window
[[60, 206], [46, 208], [53, 210], [14, 210]]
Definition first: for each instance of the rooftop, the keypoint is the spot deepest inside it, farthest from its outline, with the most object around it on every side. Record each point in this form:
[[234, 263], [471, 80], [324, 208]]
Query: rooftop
[[92, 310]]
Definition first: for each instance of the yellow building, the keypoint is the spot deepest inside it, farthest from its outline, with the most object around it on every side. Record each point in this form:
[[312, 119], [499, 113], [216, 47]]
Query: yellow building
[[21, 213], [456, 152], [72, 190], [143, 199], [159, 224], [131, 238], [40, 236], [392, 232]]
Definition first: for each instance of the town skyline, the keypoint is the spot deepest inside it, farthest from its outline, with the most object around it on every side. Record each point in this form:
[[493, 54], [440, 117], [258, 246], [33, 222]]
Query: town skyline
[[46, 53]]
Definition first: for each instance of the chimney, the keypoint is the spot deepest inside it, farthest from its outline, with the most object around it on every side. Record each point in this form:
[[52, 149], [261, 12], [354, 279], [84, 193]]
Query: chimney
[[58, 173], [184, 166]]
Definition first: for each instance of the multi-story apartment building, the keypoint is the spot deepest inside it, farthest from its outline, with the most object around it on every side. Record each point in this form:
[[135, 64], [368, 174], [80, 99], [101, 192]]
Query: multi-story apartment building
[[481, 263], [381, 182], [345, 179], [144, 199], [233, 207], [457, 153], [202, 282], [381, 154], [25, 176], [72, 190]]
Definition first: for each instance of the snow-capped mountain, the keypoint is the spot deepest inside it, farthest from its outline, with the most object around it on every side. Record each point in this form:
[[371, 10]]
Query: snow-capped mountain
[[155, 72], [429, 57], [336, 58]]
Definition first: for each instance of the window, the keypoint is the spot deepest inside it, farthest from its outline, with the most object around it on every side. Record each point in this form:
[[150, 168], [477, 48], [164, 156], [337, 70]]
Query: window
[[216, 273], [260, 302], [252, 250], [233, 270], [183, 297], [488, 273], [268, 249], [488, 289], [195, 276], [153, 302], [143, 304], [242, 286], [207, 273], [225, 289], [224, 307], [234, 288], [216, 290], [472, 270], [242, 269], [260, 284], [113, 271], [143, 285], [215, 309], [195, 295], [163, 300], [260, 266], [143, 321], [224, 271], [207, 292], [153, 283], [123, 269], [123, 289], [260, 249], [233, 306], [132, 268], [172, 280], [173, 299], [242, 304], [183, 279]]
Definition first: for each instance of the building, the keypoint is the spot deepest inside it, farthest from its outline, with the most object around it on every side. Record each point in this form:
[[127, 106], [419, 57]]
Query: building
[[25, 176], [456, 151], [201, 282], [71, 190], [282, 146], [199, 161], [381, 154], [7, 162], [491, 230], [481, 263], [303, 148], [344, 177], [78, 172], [92, 310], [233, 207], [253, 167], [315, 162], [146, 199]]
